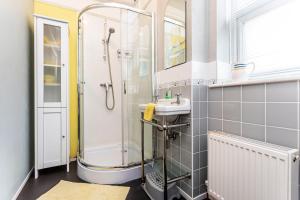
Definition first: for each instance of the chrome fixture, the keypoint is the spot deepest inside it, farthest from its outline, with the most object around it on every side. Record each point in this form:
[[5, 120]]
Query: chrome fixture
[[108, 85], [165, 127], [177, 98], [104, 49], [155, 96], [119, 53], [104, 42], [114, 5], [111, 31]]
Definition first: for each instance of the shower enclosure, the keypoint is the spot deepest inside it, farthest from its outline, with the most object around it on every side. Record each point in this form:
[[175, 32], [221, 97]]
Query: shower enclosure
[[116, 67]]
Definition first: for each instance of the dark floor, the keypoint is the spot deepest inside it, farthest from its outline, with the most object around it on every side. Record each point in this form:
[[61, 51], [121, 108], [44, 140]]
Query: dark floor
[[48, 178]]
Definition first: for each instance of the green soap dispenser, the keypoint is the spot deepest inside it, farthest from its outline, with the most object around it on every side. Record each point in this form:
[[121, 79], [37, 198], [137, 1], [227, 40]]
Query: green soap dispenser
[[168, 94]]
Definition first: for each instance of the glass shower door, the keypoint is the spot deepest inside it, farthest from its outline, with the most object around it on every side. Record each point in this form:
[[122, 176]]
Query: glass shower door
[[112, 138], [101, 143], [137, 76]]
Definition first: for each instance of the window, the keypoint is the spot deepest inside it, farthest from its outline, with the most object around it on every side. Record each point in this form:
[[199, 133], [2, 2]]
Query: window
[[267, 32]]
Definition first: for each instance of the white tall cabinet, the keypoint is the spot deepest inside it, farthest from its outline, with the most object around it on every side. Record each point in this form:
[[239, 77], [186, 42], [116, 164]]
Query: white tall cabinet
[[51, 93]]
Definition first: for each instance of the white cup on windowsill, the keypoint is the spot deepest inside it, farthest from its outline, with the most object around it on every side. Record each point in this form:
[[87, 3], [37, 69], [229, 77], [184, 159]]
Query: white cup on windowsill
[[241, 71]]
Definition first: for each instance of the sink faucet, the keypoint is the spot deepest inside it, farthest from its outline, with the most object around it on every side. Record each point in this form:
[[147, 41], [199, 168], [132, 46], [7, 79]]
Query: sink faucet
[[177, 98]]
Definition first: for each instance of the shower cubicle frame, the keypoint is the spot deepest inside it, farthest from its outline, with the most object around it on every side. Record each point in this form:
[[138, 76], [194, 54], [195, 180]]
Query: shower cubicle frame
[[81, 83]]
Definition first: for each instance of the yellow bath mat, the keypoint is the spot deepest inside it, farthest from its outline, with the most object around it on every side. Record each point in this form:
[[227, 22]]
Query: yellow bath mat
[[65, 190]]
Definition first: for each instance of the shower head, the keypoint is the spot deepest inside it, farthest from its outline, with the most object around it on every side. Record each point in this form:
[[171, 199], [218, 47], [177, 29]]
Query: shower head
[[111, 31]]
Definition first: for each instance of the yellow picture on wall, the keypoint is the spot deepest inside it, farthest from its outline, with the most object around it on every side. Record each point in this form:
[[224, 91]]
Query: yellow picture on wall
[[175, 47]]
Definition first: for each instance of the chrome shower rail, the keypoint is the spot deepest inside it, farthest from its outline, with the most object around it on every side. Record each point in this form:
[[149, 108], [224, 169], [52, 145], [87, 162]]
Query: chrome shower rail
[[113, 5]]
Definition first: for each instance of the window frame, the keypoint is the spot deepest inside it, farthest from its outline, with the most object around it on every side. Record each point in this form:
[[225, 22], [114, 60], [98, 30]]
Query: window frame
[[238, 20]]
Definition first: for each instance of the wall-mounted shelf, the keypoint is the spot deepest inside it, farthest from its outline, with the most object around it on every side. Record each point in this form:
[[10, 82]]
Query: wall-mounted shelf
[[51, 65], [53, 84], [56, 46]]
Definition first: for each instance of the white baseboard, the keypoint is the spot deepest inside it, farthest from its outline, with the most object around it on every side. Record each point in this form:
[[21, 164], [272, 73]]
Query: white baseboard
[[22, 185]]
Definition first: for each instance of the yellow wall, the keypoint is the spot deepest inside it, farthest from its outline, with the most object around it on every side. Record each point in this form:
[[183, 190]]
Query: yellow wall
[[71, 17]]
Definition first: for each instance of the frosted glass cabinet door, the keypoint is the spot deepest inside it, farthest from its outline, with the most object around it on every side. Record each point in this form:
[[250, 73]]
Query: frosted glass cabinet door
[[52, 62]]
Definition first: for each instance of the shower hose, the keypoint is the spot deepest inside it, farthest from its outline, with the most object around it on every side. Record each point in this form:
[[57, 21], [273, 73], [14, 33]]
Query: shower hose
[[111, 81]]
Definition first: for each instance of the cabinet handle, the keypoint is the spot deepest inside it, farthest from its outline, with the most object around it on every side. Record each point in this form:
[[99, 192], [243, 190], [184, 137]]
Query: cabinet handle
[[63, 136], [124, 85]]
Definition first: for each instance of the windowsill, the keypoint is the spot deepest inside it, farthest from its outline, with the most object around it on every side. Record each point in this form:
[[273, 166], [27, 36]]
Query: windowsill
[[256, 80]]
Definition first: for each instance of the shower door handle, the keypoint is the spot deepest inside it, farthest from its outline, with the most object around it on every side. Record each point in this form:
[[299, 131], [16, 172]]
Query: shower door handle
[[124, 87]]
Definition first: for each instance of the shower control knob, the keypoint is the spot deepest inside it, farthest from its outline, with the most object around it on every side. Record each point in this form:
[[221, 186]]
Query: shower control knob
[[119, 52]]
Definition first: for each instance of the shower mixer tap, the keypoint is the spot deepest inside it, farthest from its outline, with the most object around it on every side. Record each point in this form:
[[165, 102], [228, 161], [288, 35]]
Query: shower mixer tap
[[106, 85]]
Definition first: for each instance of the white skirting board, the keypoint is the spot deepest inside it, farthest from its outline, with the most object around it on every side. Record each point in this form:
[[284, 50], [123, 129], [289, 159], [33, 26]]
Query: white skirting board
[[22, 185]]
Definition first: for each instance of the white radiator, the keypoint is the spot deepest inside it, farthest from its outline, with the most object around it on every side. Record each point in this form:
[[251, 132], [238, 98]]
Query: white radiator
[[245, 169]]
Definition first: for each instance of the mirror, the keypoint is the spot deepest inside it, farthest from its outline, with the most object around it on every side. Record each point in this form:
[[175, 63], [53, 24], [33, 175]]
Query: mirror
[[175, 33]]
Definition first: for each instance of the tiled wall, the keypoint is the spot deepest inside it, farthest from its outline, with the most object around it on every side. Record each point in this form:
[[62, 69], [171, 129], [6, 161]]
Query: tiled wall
[[188, 153], [179, 154], [199, 117], [266, 112]]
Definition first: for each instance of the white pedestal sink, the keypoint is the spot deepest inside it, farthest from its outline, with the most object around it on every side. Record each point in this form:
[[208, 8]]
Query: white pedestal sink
[[168, 107]]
